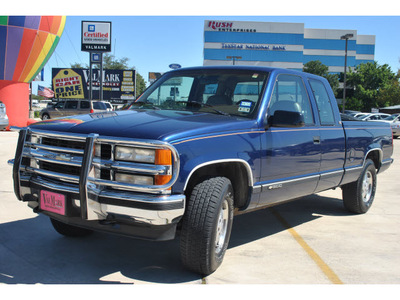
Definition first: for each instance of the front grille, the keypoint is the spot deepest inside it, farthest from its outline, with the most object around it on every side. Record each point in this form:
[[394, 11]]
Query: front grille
[[63, 143], [105, 174], [59, 168], [106, 151], [62, 156]]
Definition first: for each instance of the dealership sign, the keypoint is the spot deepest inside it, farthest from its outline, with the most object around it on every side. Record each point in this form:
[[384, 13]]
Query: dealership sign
[[96, 36], [73, 83]]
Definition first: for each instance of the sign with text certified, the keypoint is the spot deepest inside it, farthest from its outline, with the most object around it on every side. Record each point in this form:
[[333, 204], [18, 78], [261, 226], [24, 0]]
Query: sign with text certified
[[96, 36]]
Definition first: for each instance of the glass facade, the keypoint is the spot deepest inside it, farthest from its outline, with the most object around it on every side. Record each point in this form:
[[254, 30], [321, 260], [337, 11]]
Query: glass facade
[[283, 45]]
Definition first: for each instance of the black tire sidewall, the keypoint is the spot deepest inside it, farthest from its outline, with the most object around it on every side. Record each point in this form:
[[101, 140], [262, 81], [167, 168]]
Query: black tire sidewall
[[216, 258], [369, 166], [198, 234], [352, 192]]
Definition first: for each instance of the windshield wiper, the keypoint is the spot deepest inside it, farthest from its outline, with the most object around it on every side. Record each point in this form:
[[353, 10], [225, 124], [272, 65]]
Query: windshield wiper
[[206, 106], [144, 103]]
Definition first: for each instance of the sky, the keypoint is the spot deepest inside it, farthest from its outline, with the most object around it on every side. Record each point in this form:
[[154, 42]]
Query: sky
[[155, 35]]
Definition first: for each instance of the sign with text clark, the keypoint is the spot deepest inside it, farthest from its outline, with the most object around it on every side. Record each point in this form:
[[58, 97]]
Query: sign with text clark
[[96, 36], [73, 83]]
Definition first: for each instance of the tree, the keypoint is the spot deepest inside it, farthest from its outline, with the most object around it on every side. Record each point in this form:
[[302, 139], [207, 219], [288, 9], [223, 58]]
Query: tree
[[317, 68], [373, 85], [79, 66], [110, 62], [390, 94], [140, 84]]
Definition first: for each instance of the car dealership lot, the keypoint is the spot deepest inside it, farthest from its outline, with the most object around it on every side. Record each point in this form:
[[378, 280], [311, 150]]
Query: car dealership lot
[[311, 241]]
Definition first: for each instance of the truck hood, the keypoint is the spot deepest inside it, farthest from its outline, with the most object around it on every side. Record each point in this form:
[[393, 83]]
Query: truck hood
[[166, 125]]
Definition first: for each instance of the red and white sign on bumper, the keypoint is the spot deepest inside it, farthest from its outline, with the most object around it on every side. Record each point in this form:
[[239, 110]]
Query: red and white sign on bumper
[[52, 202]]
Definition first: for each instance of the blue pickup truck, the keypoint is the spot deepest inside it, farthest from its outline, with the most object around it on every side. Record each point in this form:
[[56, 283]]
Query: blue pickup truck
[[197, 147]]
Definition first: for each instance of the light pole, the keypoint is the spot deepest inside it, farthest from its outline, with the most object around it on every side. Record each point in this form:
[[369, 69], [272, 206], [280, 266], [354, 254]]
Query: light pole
[[234, 58], [345, 37]]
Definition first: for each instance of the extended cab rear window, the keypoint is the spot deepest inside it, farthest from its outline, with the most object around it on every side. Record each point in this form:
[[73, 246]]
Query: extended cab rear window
[[324, 104]]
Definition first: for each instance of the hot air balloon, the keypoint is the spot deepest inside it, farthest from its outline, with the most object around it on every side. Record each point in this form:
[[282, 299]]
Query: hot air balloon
[[26, 44]]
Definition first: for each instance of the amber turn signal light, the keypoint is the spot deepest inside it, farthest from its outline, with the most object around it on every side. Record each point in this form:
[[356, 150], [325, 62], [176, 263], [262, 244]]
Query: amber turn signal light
[[163, 157]]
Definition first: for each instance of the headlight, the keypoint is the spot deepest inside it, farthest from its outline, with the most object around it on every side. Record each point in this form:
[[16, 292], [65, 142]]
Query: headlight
[[134, 179], [135, 154]]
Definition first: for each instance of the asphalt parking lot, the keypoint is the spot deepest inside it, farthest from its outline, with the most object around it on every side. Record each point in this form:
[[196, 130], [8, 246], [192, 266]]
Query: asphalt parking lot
[[310, 241]]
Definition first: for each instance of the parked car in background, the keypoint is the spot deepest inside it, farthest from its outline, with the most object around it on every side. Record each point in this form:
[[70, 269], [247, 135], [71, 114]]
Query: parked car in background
[[109, 106], [3, 116], [347, 117], [395, 129], [359, 115], [394, 121], [35, 103], [351, 112], [374, 117], [392, 118], [72, 107]]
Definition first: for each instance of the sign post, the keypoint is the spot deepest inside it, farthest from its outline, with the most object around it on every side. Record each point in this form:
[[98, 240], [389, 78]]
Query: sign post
[[96, 39]]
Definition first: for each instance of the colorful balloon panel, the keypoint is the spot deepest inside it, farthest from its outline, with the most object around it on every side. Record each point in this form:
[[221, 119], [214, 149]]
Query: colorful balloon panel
[[26, 44]]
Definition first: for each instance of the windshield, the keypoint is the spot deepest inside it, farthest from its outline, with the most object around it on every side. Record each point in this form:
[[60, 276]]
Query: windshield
[[227, 92], [99, 105], [390, 118]]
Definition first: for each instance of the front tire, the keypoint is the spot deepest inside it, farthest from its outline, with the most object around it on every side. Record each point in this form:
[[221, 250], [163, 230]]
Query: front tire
[[359, 195], [207, 225]]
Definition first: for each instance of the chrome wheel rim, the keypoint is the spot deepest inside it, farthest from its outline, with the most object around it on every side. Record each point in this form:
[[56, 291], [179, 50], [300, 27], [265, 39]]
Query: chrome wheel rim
[[222, 226], [367, 186]]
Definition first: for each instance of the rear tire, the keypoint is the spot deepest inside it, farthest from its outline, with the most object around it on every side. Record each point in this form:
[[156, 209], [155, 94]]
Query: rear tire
[[45, 117], [359, 195], [69, 230], [207, 225]]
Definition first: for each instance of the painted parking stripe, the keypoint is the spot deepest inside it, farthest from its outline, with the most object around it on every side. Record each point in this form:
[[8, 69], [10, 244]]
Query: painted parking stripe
[[314, 256]]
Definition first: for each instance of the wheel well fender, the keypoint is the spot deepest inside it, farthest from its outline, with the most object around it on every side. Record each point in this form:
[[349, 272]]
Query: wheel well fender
[[376, 156], [236, 170]]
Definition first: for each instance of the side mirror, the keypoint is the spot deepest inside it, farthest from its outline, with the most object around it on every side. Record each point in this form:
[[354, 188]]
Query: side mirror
[[283, 118]]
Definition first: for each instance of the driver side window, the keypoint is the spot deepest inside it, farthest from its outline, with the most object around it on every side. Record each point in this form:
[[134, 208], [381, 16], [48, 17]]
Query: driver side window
[[59, 105], [290, 95]]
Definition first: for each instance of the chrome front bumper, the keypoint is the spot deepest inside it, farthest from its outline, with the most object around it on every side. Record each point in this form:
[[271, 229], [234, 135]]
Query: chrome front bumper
[[89, 199], [105, 205]]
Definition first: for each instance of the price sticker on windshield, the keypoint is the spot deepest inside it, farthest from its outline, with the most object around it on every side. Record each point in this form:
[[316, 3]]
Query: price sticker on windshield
[[245, 106]]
